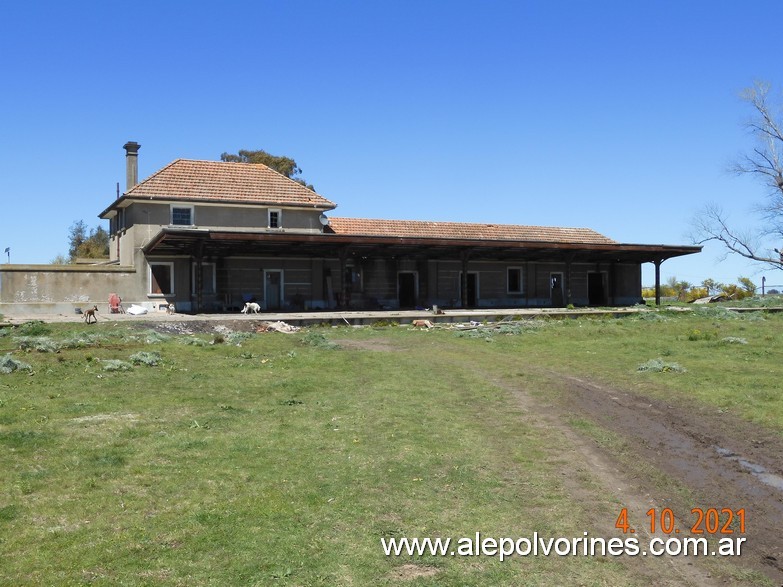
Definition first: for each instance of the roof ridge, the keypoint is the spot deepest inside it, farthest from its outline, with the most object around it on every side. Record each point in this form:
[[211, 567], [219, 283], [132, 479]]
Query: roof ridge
[[264, 165], [467, 230], [464, 223]]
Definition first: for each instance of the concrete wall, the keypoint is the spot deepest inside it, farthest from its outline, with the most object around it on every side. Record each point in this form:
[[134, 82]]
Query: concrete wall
[[141, 221], [60, 289]]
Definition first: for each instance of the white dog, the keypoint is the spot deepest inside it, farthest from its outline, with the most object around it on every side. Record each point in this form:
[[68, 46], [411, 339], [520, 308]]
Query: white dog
[[251, 307]]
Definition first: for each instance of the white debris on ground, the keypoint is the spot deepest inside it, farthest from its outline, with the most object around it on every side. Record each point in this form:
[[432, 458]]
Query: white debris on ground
[[278, 326], [135, 310]]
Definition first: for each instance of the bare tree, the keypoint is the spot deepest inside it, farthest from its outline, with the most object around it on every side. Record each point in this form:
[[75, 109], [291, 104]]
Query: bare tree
[[764, 163]]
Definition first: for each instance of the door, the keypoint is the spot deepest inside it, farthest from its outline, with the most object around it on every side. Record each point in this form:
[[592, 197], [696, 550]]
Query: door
[[556, 289], [472, 290], [596, 294], [273, 289], [407, 285], [472, 294]]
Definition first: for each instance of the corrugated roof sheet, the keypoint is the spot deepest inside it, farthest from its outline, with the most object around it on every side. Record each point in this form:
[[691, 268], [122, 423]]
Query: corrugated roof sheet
[[464, 230], [246, 183]]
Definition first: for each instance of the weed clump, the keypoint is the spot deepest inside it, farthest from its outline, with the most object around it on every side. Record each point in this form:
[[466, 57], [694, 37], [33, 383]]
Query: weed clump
[[34, 328], [237, 338], [8, 365], [318, 340], [42, 344], [151, 359], [660, 366], [696, 334], [116, 365], [717, 313], [649, 316], [155, 337], [82, 340]]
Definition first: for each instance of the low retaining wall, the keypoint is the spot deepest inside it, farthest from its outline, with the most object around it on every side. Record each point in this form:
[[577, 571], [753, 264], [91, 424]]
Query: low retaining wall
[[61, 289]]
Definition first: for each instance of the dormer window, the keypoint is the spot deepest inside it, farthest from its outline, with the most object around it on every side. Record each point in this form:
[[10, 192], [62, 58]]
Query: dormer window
[[182, 215], [275, 218]]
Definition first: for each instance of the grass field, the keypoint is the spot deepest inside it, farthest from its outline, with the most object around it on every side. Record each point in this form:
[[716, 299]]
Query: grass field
[[132, 458]]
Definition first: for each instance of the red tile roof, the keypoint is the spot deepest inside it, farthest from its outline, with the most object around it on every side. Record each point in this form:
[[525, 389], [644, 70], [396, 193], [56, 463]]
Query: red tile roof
[[219, 181], [465, 231]]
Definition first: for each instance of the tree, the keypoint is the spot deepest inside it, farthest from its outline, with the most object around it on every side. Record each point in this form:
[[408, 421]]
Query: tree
[[765, 163], [283, 165], [83, 244], [711, 286], [747, 285], [680, 288]]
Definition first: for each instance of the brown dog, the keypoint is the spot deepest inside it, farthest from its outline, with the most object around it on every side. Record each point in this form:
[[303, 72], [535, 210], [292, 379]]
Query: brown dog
[[90, 314]]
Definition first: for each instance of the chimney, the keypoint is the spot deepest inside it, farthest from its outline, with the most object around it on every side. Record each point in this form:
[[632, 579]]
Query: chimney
[[131, 163]]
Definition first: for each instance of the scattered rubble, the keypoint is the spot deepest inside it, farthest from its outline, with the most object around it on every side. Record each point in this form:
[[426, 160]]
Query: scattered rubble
[[713, 299]]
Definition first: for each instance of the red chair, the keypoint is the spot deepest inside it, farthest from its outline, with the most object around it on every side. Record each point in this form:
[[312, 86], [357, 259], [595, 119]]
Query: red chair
[[115, 304]]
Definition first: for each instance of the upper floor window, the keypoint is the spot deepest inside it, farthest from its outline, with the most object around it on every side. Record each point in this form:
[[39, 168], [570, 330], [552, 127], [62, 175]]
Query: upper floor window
[[182, 215], [275, 219], [117, 222]]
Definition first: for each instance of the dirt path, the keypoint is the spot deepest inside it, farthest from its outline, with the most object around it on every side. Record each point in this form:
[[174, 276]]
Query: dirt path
[[723, 463]]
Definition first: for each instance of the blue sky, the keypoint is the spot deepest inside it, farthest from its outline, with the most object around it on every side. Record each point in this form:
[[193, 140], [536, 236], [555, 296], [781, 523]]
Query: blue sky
[[618, 116]]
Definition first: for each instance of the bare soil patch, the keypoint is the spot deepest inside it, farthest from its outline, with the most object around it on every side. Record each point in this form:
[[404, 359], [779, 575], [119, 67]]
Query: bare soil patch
[[723, 461], [713, 454], [410, 572]]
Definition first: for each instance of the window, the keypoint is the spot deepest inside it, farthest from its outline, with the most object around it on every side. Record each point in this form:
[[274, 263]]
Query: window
[[117, 222], [207, 278], [514, 280], [275, 219], [182, 216], [161, 279]]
